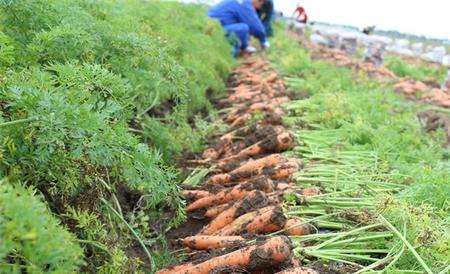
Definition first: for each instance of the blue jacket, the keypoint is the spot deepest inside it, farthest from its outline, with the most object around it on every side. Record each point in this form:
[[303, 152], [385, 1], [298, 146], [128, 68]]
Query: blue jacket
[[239, 11]]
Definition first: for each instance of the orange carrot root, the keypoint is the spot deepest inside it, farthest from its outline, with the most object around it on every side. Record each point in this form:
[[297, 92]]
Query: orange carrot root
[[237, 225], [310, 191], [237, 192], [211, 242], [274, 251], [219, 179], [255, 199], [195, 194], [216, 210], [174, 269], [271, 160], [297, 227], [267, 222]]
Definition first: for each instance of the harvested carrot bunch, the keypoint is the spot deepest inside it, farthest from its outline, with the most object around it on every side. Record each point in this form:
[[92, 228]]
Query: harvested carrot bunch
[[244, 198], [270, 253], [237, 192]]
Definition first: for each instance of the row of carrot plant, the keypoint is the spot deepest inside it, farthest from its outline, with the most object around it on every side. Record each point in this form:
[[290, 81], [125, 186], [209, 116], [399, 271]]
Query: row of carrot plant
[[95, 98]]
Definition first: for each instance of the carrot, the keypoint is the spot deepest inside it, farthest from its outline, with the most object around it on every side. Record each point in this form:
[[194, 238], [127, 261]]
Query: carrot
[[228, 137], [235, 226], [211, 242], [271, 160], [199, 161], [241, 120], [269, 221], [227, 166], [253, 64], [271, 78], [295, 262], [273, 172], [218, 148], [254, 199], [176, 268], [216, 210], [270, 144], [299, 270], [220, 179], [295, 226], [259, 106], [195, 194], [241, 165], [283, 186], [260, 183], [242, 89], [251, 79], [237, 192], [310, 191], [266, 220], [282, 171], [266, 136], [285, 140], [276, 197], [282, 189], [272, 252], [243, 95], [222, 197], [210, 153], [272, 119]]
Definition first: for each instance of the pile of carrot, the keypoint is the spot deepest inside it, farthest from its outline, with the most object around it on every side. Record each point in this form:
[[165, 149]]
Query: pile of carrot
[[427, 92], [242, 199], [256, 89]]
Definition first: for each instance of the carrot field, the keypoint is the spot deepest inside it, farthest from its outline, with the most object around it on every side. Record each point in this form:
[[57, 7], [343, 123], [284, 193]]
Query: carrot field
[[133, 145]]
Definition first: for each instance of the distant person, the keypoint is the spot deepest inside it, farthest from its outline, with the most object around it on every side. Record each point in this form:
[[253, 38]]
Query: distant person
[[266, 14], [368, 30], [300, 14], [240, 20]]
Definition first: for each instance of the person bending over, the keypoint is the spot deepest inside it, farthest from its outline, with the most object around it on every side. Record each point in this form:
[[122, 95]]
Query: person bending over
[[266, 13], [240, 20]]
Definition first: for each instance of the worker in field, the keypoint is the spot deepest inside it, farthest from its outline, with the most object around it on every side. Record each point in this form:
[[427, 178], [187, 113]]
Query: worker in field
[[266, 13], [240, 20], [368, 30], [300, 14]]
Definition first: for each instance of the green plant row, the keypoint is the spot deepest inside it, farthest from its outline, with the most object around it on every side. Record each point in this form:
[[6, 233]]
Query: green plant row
[[359, 140], [421, 71], [96, 97]]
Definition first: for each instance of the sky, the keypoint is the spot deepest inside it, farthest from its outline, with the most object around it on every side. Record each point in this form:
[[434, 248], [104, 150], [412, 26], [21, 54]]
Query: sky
[[430, 18]]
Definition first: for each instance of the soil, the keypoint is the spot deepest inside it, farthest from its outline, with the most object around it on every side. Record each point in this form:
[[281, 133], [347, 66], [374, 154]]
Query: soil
[[127, 198], [191, 227], [333, 268], [163, 109]]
